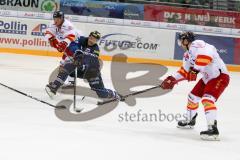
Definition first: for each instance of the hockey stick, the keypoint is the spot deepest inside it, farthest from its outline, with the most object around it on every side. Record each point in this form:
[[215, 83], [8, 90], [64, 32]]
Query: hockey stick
[[74, 92], [74, 89], [29, 96], [128, 95], [75, 82], [135, 93]]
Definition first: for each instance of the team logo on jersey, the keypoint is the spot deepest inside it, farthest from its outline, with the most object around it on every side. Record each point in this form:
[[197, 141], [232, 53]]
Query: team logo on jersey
[[49, 6], [39, 30], [88, 50], [13, 27]]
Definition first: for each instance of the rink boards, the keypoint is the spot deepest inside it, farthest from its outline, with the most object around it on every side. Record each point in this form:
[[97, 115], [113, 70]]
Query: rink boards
[[141, 42]]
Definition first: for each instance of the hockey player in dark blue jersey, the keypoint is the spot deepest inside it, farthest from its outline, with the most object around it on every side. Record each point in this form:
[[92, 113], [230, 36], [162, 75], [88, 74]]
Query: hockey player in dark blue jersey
[[84, 55]]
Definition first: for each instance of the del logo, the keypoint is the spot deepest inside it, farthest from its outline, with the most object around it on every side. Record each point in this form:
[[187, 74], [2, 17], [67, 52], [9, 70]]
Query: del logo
[[39, 30], [13, 27]]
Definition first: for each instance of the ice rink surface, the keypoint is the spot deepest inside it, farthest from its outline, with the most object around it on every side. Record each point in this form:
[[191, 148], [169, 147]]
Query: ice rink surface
[[30, 130]]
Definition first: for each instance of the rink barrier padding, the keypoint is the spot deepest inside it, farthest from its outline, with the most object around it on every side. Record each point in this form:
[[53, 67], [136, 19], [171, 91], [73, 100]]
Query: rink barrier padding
[[31, 52], [175, 63]]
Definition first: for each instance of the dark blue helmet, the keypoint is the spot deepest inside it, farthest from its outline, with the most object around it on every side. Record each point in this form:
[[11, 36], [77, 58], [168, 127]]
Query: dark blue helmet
[[58, 14], [95, 34], [187, 35]]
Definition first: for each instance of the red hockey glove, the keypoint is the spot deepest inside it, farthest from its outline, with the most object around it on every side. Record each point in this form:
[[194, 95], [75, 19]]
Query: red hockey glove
[[53, 42], [168, 83], [192, 74], [62, 46]]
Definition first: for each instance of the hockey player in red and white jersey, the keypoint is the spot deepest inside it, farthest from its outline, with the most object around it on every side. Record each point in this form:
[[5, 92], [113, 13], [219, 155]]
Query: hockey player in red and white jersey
[[200, 57], [60, 34]]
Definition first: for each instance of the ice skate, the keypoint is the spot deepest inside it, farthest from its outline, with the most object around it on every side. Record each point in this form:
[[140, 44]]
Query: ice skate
[[187, 124], [69, 83], [211, 134], [118, 96], [51, 90]]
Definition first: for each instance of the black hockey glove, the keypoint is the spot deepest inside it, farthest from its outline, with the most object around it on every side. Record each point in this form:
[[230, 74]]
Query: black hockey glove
[[78, 57]]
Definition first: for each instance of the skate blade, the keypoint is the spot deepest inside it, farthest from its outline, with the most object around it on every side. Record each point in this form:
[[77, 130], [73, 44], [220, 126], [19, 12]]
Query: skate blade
[[78, 109], [210, 138], [48, 91], [185, 127]]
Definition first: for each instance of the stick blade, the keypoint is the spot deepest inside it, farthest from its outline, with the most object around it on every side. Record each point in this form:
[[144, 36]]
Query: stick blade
[[61, 107], [78, 110]]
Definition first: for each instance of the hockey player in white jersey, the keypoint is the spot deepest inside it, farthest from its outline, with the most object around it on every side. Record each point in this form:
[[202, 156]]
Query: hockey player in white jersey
[[200, 57], [60, 34]]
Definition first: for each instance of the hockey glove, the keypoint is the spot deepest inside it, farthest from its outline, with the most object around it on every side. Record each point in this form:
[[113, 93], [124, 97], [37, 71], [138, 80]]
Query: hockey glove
[[192, 74], [78, 57], [168, 83], [62, 46], [53, 42]]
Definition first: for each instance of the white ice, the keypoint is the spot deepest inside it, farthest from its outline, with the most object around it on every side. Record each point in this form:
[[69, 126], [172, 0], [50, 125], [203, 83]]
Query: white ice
[[30, 130]]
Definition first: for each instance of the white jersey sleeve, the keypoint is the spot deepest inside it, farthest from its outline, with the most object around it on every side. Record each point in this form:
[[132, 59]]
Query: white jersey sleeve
[[50, 31], [183, 71], [206, 60], [67, 32]]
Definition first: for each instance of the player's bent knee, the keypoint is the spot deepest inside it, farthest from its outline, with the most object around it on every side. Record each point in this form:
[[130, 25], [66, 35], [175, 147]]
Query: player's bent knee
[[209, 103], [193, 98]]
